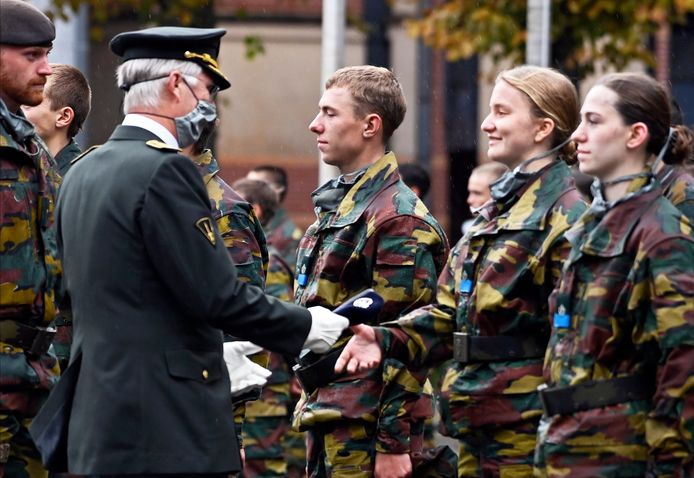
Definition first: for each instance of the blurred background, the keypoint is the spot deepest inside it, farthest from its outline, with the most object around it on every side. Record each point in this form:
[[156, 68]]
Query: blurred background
[[445, 53]]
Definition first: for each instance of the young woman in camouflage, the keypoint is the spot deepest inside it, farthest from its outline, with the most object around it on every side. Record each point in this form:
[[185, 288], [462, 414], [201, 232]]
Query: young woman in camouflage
[[619, 400], [492, 296]]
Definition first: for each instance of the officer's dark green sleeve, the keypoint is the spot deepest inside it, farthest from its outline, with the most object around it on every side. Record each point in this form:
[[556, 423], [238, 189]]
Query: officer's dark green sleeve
[[195, 265]]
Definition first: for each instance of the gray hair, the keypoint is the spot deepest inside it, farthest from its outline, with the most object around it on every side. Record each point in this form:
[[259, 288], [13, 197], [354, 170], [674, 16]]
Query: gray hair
[[144, 93]]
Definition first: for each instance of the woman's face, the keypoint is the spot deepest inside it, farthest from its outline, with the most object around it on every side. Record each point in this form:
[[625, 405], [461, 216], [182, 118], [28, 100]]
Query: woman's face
[[601, 137], [511, 127]]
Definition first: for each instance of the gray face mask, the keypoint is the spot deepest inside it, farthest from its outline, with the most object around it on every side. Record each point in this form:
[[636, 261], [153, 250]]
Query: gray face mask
[[190, 127]]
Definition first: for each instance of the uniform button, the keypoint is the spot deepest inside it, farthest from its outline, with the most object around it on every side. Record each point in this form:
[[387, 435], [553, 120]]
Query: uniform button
[[205, 374]]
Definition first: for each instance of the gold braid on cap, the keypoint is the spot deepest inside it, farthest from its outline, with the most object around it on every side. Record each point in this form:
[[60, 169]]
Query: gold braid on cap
[[207, 59]]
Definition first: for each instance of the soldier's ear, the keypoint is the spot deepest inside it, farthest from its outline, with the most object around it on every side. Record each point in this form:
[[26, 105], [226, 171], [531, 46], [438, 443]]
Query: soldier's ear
[[64, 117], [372, 125]]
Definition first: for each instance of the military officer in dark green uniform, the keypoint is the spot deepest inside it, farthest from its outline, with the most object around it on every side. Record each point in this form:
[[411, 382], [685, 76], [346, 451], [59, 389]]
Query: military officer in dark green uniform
[[153, 288]]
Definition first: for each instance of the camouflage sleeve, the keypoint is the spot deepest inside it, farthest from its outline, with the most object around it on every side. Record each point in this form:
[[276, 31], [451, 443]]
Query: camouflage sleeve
[[407, 256], [424, 337], [246, 247], [670, 425]]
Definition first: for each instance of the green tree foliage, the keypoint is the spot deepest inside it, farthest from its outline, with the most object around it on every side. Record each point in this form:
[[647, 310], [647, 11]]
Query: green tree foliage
[[583, 31]]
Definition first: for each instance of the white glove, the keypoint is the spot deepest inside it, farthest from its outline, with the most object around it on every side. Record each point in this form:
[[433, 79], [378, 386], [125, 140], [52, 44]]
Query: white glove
[[326, 328], [244, 373]]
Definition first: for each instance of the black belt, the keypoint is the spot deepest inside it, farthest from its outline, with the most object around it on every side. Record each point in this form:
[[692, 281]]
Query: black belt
[[472, 348], [319, 372], [595, 394], [34, 340]]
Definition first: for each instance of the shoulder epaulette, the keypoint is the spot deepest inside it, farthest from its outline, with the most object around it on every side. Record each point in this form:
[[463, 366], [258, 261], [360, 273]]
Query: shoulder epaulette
[[153, 143], [89, 150]]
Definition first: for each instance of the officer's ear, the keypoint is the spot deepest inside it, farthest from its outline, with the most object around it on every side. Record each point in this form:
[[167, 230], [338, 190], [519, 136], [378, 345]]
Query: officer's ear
[[174, 84], [64, 117]]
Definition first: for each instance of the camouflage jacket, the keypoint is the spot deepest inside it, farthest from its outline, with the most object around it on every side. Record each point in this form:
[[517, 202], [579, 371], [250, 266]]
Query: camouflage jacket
[[30, 269], [627, 293], [678, 188], [66, 155], [284, 236], [239, 227], [380, 235], [496, 283], [275, 398]]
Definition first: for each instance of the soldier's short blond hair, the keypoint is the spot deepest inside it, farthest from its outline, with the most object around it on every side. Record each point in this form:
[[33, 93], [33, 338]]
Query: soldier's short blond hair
[[375, 90], [552, 95]]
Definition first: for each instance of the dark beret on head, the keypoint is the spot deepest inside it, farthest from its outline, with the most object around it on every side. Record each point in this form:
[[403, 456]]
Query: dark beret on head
[[199, 45], [23, 24]]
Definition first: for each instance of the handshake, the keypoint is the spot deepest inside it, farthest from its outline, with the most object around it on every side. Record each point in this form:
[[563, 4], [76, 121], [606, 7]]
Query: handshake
[[326, 328]]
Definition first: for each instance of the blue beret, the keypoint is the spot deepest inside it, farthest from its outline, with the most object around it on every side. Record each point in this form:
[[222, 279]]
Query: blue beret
[[199, 45]]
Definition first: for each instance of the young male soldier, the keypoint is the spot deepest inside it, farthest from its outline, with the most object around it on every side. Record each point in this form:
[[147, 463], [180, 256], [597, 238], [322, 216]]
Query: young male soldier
[[151, 282], [370, 231], [29, 265], [60, 116], [57, 119], [281, 231]]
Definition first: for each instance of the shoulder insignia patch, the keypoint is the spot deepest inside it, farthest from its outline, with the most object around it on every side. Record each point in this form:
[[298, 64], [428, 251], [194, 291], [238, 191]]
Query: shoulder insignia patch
[[204, 225], [156, 144], [89, 150]]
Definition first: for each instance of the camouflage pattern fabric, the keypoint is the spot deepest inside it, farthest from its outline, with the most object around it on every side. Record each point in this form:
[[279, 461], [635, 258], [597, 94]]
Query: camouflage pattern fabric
[[239, 227], [267, 419], [341, 451], [30, 273], [380, 235], [244, 239], [284, 236], [66, 155], [496, 283], [678, 188], [624, 307]]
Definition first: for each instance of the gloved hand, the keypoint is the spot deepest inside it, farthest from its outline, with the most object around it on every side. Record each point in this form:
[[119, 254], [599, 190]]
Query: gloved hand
[[244, 373], [326, 328]]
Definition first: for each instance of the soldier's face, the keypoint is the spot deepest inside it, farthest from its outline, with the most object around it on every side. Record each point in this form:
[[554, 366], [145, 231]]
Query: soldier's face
[[478, 190], [340, 133], [23, 74], [601, 137], [43, 117], [511, 127]]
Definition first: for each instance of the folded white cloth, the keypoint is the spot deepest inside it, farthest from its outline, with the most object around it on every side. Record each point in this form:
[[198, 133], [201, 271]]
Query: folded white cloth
[[243, 372]]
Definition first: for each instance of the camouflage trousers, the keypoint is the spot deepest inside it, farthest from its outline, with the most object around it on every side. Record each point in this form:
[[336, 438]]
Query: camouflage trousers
[[19, 457], [262, 441], [605, 442], [498, 452], [341, 450], [294, 446]]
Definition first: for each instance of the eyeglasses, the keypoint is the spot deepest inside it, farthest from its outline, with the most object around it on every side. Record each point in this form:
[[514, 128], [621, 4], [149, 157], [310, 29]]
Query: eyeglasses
[[212, 89]]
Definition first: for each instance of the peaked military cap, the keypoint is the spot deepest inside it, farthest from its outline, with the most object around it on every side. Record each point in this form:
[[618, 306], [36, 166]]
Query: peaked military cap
[[199, 45], [23, 24]]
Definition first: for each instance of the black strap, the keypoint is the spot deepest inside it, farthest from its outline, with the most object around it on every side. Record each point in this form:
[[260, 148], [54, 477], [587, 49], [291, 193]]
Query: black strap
[[318, 373], [34, 340], [472, 348], [595, 394]]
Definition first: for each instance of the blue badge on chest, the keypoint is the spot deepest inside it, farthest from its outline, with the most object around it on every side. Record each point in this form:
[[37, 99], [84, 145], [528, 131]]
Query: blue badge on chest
[[561, 319], [466, 286], [302, 280]]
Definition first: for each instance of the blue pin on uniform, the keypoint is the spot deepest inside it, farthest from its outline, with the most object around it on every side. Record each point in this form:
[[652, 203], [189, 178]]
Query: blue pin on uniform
[[466, 286], [561, 319], [302, 279]]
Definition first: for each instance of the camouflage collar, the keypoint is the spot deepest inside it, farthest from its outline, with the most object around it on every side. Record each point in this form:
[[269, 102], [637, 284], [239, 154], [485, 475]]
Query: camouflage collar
[[533, 201], [207, 165], [605, 234], [16, 129], [378, 176]]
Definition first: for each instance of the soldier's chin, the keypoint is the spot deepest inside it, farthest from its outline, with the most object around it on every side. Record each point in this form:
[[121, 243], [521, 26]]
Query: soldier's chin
[[31, 98]]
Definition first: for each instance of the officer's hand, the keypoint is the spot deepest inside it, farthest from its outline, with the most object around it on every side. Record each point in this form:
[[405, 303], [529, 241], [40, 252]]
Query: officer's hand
[[326, 328], [244, 374], [362, 351], [392, 465]]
